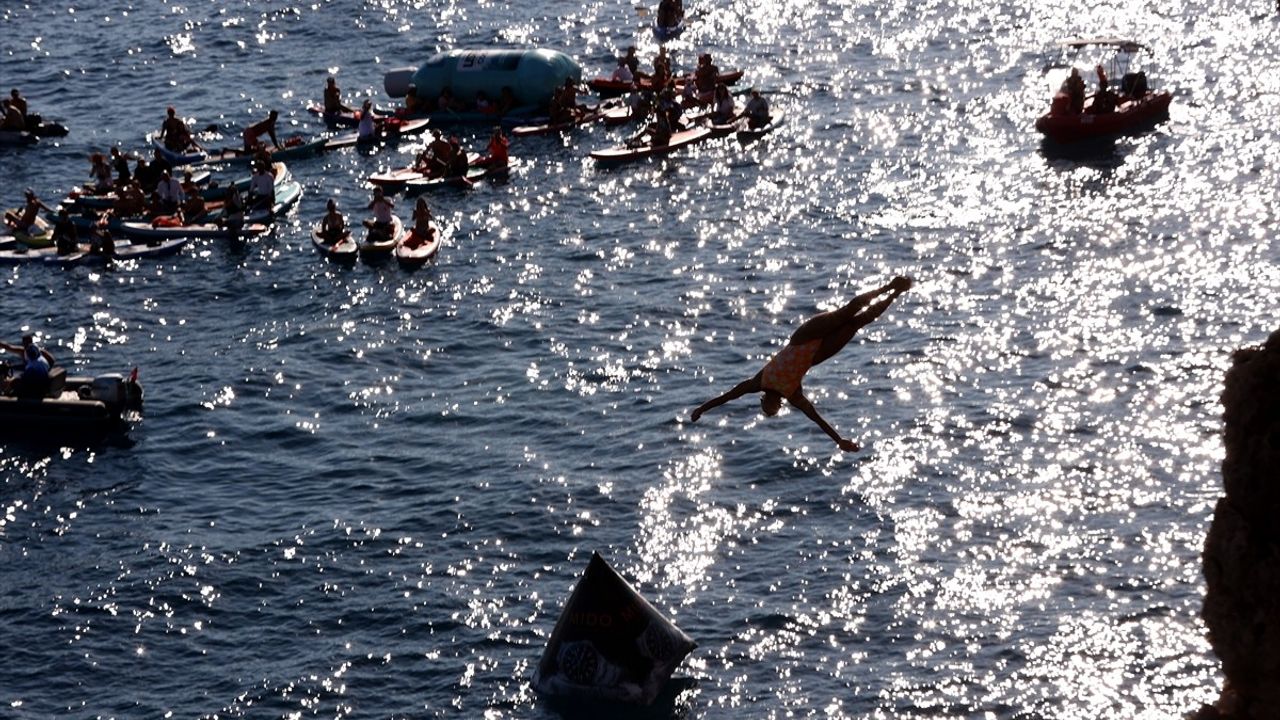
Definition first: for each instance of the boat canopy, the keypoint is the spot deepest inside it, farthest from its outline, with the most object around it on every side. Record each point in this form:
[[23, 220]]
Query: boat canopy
[[1119, 43]]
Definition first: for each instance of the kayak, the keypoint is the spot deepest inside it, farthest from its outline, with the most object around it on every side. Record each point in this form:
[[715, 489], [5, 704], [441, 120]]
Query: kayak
[[592, 114], [344, 249], [124, 250], [17, 138], [607, 87], [747, 134], [345, 119], [379, 245], [678, 140], [413, 250], [390, 130]]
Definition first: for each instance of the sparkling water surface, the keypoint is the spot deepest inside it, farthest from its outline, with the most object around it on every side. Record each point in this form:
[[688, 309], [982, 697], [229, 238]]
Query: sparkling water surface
[[366, 492]]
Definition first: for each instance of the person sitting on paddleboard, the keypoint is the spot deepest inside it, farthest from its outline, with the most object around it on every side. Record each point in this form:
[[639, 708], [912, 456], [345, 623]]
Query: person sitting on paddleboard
[[262, 187], [723, 112], [497, 149], [818, 339], [458, 164], [757, 110], [65, 237], [632, 61], [193, 206], [422, 229], [100, 171], [661, 69], [130, 200], [264, 127], [120, 165], [382, 208], [706, 77], [622, 73], [26, 222], [169, 192], [333, 98], [333, 226], [368, 128], [232, 209], [175, 135]]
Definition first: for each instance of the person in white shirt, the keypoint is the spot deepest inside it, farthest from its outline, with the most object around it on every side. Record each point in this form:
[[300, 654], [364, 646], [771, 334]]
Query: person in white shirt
[[170, 193], [622, 73]]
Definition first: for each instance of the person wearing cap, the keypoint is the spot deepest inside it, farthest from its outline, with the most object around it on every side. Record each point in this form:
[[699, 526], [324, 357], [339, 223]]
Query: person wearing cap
[[175, 135], [262, 127], [26, 222], [756, 111], [34, 380], [333, 99]]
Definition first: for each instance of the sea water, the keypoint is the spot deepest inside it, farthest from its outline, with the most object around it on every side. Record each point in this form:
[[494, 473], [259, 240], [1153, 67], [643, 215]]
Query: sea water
[[360, 491]]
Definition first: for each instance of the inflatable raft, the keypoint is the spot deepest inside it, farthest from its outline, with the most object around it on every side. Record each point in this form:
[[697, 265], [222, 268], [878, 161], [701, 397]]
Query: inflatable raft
[[529, 76]]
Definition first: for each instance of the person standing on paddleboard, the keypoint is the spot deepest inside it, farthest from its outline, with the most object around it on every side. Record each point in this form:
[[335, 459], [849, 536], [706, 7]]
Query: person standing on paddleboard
[[819, 338]]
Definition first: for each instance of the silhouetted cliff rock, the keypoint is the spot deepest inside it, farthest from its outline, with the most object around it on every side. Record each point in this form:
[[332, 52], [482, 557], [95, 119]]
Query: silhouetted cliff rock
[[1242, 551]]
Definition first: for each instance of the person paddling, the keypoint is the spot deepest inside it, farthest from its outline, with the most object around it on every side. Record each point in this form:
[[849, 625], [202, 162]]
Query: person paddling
[[815, 341]]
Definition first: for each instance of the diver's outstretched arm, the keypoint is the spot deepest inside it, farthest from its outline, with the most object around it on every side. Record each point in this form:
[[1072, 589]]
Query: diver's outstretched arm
[[800, 401], [742, 388]]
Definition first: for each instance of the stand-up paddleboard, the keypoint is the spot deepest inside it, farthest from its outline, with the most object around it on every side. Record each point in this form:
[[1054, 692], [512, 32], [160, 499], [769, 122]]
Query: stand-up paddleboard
[[621, 154], [379, 245], [413, 250], [748, 134], [345, 250]]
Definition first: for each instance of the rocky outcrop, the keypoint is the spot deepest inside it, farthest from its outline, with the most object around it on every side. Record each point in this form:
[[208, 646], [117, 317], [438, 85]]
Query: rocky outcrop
[[1242, 551]]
